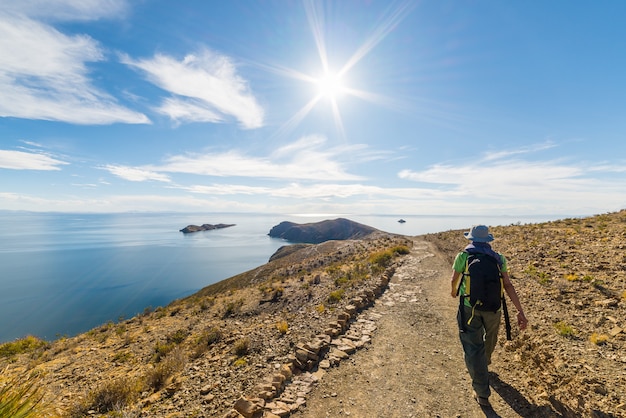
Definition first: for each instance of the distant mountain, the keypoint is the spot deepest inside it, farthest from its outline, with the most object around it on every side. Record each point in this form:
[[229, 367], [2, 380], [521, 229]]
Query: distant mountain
[[317, 232]]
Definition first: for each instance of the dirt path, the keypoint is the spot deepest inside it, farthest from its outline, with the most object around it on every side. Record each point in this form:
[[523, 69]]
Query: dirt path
[[414, 365]]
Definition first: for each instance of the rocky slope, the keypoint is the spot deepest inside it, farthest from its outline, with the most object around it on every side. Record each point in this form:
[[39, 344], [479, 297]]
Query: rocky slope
[[271, 332], [199, 355], [571, 277]]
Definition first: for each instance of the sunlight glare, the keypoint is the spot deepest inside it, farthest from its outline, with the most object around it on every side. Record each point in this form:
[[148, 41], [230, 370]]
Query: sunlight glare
[[330, 86]]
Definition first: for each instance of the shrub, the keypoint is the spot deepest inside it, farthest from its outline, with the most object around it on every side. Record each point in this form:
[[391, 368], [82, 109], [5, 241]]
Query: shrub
[[341, 280], [564, 329], [335, 296], [206, 303], [178, 336], [231, 308], [158, 377], [401, 249], [241, 347], [161, 350], [21, 398], [240, 362], [205, 340], [111, 396], [282, 327], [381, 259], [599, 339], [122, 357], [23, 345]]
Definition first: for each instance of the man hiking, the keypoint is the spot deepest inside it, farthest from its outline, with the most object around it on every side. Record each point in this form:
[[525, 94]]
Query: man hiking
[[480, 277]]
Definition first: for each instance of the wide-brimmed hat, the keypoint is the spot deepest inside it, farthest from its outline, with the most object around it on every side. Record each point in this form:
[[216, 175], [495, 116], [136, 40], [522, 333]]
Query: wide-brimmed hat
[[479, 233]]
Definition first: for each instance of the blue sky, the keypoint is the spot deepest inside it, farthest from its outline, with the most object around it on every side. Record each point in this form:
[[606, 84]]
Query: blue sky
[[343, 107]]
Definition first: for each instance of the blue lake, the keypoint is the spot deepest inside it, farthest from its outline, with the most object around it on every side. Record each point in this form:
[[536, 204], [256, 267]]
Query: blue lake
[[63, 274]]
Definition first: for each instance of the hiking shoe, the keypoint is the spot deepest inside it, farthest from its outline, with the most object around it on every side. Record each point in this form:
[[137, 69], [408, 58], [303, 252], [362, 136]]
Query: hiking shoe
[[483, 402]]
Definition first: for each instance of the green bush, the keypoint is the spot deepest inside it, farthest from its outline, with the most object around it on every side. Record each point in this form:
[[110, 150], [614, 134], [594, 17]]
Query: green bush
[[23, 345], [564, 329], [21, 398], [178, 336], [335, 296]]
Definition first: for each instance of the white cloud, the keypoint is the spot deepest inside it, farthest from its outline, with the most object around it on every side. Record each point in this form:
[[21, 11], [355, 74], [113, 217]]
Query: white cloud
[[306, 159], [186, 110], [316, 191], [502, 183], [19, 160], [43, 74], [136, 174], [67, 10], [205, 85]]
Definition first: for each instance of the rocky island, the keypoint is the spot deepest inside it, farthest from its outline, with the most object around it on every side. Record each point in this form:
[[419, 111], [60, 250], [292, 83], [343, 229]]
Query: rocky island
[[318, 232], [205, 227]]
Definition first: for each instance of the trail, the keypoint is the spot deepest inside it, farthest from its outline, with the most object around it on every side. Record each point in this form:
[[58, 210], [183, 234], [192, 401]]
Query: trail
[[414, 366]]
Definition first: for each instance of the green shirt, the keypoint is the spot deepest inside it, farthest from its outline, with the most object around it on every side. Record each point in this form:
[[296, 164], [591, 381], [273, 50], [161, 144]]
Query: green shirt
[[459, 266]]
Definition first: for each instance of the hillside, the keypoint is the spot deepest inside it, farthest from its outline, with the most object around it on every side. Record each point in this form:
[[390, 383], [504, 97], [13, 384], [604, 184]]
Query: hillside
[[268, 332], [199, 355], [571, 277]]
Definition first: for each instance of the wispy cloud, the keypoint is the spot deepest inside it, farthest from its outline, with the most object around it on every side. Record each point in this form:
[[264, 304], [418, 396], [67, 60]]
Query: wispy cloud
[[306, 159], [43, 72], [505, 180], [533, 148], [68, 10], [314, 191], [20, 160], [206, 86], [135, 173]]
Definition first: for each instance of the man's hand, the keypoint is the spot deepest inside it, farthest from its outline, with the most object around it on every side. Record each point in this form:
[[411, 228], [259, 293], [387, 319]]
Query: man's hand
[[454, 281], [522, 321]]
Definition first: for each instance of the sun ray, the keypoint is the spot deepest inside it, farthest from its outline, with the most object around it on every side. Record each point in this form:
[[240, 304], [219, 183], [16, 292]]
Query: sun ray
[[315, 17], [297, 118], [338, 121], [379, 34]]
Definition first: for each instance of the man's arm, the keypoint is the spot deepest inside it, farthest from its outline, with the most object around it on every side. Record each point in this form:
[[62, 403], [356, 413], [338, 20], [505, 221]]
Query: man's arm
[[510, 290], [454, 281]]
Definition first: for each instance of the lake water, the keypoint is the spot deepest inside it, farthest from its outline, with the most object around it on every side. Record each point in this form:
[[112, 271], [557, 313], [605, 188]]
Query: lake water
[[63, 274]]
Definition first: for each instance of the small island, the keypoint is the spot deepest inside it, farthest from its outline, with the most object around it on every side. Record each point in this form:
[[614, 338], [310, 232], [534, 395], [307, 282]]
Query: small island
[[205, 227]]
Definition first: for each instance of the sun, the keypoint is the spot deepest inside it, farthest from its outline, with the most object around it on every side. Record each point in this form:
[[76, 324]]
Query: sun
[[330, 86]]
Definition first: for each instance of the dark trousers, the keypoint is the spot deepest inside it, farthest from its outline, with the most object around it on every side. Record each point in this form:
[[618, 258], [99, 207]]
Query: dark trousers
[[478, 334]]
